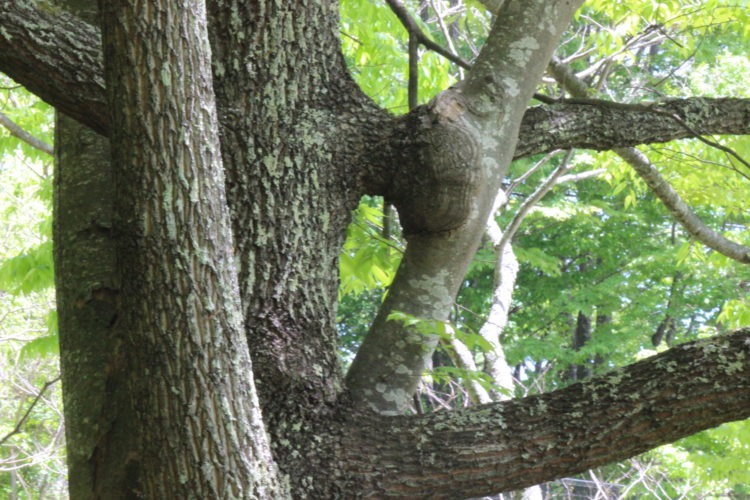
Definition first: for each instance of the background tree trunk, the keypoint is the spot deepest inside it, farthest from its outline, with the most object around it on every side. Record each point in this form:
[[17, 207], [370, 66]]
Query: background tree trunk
[[99, 445]]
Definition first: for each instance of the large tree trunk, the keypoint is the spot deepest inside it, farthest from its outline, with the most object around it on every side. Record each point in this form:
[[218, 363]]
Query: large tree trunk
[[184, 354], [299, 145]]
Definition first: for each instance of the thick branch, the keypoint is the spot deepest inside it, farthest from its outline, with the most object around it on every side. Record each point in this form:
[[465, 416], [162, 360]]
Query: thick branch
[[57, 57], [565, 126], [517, 45], [500, 447]]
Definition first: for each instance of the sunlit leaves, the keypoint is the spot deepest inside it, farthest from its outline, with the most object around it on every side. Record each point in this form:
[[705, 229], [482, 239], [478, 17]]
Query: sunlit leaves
[[28, 272], [368, 260], [375, 45]]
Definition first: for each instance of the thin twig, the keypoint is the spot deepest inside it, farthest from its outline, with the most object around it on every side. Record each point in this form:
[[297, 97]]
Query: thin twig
[[18, 132], [532, 200], [412, 27], [23, 419]]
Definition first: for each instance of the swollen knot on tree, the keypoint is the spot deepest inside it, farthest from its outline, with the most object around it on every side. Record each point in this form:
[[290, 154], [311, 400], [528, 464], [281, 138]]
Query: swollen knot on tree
[[437, 186]]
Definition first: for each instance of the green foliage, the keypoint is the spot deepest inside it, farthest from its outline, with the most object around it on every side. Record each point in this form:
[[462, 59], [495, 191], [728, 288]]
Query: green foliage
[[368, 260], [375, 46], [28, 321], [28, 272]]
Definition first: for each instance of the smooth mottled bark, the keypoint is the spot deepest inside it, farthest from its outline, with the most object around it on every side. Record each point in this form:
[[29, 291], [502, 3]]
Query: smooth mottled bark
[[465, 140]]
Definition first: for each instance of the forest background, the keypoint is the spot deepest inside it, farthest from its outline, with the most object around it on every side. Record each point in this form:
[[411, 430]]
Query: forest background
[[585, 269]]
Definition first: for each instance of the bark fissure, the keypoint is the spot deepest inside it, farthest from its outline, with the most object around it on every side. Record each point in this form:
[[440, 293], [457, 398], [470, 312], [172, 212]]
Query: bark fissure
[[189, 373]]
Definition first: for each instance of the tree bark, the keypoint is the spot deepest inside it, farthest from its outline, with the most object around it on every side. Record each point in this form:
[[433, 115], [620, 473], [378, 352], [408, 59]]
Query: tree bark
[[98, 444], [57, 57], [87, 288], [199, 432], [300, 145], [506, 446], [465, 141]]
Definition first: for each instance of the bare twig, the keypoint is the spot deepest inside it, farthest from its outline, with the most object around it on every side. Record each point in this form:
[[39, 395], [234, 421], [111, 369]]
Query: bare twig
[[23, 419], [413, 28], [18, 132], [532, 200]]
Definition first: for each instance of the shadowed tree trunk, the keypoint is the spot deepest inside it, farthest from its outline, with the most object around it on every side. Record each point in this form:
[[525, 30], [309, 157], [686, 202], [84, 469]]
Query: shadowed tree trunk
[[87, 289], [235, 167]]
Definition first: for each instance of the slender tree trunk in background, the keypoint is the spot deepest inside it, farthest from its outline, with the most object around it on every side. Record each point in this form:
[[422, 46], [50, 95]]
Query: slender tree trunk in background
[[87, 285], [581, 336]]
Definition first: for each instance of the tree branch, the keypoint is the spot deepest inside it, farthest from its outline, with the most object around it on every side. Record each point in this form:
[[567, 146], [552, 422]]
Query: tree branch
[[57, 57], [679, 209], [517, 29], [415, 31], [588, 126], [579, 177], [660, 187], [482, 450], [25, 416], [463, 145], [551, 181], [18, 132]]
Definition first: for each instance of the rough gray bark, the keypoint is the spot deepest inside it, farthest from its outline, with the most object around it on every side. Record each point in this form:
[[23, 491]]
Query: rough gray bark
[[290, 119], [511, 445], [34, 39], [301, 144], [189, 375]]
